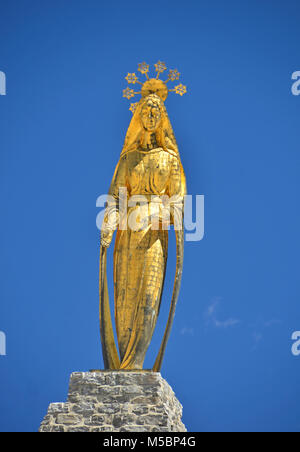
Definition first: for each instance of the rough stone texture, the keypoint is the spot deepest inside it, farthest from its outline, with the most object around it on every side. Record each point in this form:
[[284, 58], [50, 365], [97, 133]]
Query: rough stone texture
[[116, 401]]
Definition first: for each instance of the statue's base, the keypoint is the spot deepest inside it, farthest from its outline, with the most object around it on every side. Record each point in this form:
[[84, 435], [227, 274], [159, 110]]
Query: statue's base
[[116, 401]]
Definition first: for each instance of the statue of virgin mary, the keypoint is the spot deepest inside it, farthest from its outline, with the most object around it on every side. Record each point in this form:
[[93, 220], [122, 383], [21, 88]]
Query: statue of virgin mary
[[151, 175]]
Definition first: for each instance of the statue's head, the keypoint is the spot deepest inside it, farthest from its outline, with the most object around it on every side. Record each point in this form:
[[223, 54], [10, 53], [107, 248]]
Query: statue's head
[[151, 116], [151, 113]]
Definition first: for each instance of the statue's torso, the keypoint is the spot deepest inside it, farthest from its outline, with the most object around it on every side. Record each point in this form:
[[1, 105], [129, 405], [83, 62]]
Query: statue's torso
[[148, 172]]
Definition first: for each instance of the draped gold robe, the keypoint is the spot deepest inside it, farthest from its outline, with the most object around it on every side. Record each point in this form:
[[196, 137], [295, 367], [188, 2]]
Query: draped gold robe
[[140, 253]]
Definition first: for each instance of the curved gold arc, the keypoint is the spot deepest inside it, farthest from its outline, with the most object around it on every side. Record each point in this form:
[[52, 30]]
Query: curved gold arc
[[109, 350], [177, 281]]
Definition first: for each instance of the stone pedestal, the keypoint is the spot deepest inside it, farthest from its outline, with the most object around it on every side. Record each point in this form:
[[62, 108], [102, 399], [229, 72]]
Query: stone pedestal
[[116, 401]]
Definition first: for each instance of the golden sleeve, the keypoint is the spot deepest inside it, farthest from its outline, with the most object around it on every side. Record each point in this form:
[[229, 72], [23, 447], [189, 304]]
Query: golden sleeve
[[176, 192], [118, 188]]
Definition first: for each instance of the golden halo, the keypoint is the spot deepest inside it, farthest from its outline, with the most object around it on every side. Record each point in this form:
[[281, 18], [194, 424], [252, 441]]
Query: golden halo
[[153, 85]]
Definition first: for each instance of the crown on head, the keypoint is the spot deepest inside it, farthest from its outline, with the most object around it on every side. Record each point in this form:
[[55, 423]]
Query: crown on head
[[152, 85]]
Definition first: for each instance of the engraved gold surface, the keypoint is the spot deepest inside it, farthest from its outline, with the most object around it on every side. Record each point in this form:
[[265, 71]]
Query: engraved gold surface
[[150, 166]]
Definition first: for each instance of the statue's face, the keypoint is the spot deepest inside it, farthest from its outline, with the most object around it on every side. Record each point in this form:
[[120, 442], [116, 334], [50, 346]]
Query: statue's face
[[150, 116]]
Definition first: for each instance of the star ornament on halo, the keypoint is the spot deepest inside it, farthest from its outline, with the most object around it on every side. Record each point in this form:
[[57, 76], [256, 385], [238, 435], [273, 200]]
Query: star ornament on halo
[[173, 75], [143, 68], [128, 93], [152, 85], [131, 78], [133, 106], [160, 67], [179, 89]]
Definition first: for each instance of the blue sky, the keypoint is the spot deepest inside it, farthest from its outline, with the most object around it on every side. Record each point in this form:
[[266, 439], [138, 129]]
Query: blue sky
[[62, 126]]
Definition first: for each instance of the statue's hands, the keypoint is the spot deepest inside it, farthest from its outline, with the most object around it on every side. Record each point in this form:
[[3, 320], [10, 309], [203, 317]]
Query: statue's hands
[[106, 237]]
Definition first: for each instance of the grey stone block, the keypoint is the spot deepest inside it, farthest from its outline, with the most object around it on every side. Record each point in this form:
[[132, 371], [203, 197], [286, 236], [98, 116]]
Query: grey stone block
[[116, 401]]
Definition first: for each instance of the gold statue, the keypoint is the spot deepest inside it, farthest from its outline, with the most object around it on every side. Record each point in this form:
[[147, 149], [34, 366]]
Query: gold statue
[[149, 169]]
